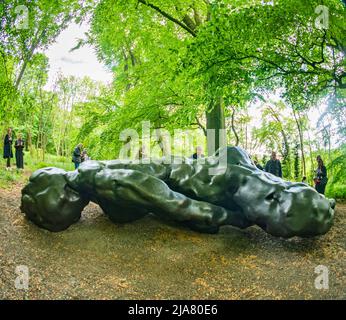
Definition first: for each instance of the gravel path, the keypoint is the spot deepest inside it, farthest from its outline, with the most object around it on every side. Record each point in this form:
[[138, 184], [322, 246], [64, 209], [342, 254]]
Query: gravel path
[[148, 259]]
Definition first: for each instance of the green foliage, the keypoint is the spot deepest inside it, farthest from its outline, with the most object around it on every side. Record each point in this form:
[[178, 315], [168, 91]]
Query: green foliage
[[173, 61], [32, 163], [8, 177], [337, 184]]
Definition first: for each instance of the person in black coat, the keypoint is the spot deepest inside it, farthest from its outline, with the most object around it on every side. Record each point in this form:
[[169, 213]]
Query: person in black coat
[[273, 166], [321, 178], [8, 154], [19, 145], [77, 156]]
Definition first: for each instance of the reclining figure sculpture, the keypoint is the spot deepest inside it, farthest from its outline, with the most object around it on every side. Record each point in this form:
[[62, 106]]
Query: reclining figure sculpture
[[241, 195]]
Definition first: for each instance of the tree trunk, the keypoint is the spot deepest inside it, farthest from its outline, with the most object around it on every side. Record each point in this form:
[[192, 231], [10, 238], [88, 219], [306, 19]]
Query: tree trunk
[[28, 145], [329, 151], [301, 139], [28, 56], [311, 156], [286, 153], [216, 133], [233, 127], [246, 147]]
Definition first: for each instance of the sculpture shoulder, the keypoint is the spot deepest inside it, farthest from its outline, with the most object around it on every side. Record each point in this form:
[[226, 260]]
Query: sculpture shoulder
[[156, 169]]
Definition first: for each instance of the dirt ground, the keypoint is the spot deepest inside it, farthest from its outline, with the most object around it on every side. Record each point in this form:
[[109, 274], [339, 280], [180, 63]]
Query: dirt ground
[[149, 259]]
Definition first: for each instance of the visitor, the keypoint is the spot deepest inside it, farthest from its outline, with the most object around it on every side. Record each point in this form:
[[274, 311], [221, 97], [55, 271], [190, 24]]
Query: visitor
[[8, 154], [85, 156], [198, 154], [258, 166], [273, 166], [321, 178], [77, 156], [19, 145], [304, 180]]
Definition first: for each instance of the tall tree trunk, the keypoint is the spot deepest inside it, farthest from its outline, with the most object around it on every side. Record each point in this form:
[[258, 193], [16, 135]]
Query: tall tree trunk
[[44, 145], [246, 147], [28, 145], [233, 127], [311, 156], [286, 153], [29, 55], [301, 138], [329, 150], [216, 133], [312, 169]]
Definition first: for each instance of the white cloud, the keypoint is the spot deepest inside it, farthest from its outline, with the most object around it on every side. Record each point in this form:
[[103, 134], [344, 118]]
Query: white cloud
[[80, 63], [72, 61]]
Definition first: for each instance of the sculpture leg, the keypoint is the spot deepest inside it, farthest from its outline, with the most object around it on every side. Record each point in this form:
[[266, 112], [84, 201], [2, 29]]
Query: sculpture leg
[[49, 202], [145, 193]]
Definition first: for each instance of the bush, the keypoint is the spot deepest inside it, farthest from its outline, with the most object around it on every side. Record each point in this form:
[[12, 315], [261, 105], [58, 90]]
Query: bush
[[336, 191]]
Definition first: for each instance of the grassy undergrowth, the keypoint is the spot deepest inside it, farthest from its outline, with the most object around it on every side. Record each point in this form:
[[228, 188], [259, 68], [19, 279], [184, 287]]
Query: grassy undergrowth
[[31, 164]]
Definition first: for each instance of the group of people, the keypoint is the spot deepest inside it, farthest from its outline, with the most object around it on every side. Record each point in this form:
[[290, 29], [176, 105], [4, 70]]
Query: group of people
[[79, 155], [8, 150], [273, 166]]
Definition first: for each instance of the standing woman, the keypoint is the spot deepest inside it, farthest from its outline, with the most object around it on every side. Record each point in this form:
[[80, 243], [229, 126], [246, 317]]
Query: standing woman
[[321, 178], [19, 145], [8, 154]]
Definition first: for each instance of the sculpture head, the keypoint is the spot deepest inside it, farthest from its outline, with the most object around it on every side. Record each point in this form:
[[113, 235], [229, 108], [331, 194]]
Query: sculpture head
[[279, 207], [49, 202]]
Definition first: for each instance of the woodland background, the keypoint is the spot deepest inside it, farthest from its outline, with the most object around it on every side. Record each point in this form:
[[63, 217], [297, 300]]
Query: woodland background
[[260, 69]]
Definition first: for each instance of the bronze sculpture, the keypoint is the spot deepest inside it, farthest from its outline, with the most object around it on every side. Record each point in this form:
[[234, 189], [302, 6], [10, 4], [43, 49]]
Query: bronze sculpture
[[241, 195]]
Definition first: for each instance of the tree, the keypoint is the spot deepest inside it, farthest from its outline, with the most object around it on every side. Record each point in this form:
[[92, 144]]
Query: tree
[[296, 162], [137, 27], [35, 25], [251, 43]]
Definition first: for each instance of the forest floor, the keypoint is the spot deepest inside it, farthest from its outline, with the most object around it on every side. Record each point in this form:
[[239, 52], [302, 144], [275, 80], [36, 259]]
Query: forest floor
[[149, 259]]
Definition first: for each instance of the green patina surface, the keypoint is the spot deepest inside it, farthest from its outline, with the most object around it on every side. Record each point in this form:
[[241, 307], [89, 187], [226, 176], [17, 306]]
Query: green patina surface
[[227, 189]]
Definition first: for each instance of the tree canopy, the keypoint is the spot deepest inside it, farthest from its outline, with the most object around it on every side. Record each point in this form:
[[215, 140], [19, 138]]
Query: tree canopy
[[194, 65]]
